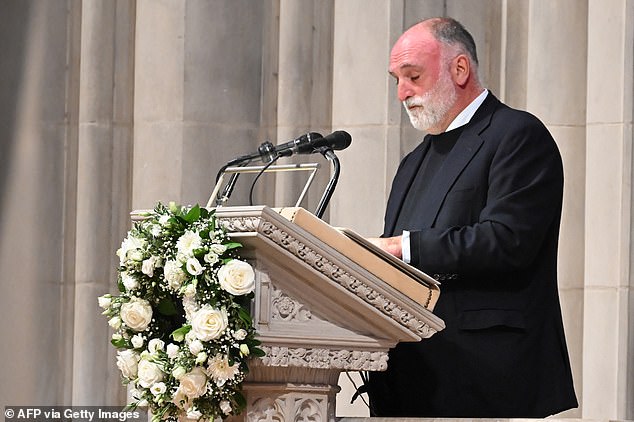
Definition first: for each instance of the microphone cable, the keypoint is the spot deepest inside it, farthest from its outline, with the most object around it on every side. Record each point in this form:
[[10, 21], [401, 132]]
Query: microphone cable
[[262, 170]]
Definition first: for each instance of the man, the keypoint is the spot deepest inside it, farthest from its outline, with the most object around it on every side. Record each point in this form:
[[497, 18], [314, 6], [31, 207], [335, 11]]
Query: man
[[478, 205]]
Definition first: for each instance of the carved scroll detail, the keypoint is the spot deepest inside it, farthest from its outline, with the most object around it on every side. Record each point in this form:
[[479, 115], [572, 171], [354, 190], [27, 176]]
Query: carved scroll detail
[[319, 358], [330, 270]]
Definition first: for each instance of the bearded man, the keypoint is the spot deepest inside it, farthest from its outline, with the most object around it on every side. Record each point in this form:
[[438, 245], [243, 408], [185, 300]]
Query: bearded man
[[478, 205]]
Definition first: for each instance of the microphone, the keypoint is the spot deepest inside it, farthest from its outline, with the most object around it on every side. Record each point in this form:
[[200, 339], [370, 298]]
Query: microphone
[[308, 143], [313, 142], [301, 145]]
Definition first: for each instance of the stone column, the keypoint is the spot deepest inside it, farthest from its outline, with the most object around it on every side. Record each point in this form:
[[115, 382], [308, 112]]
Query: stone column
[[608, 335], [555, 92], [103, 189], [36, 185], [365, 105], [304, 89], [198, 80]]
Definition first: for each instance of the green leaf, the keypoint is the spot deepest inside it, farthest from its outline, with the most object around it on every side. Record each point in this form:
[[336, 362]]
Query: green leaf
[[245, 316], [257, 352], [179, 334], [233, 245], [241, 402], [119, 343], [193, 214], [167, 307], [120, 285]]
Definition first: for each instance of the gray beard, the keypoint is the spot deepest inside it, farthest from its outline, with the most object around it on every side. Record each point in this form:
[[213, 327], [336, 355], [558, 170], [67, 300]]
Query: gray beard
[[435, 105]]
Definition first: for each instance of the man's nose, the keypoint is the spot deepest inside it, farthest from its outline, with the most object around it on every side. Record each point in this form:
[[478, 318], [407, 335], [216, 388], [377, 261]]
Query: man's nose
[[404, 91]]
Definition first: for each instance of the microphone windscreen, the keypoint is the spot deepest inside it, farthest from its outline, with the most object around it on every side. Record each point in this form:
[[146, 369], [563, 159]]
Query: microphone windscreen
[[337, 140]]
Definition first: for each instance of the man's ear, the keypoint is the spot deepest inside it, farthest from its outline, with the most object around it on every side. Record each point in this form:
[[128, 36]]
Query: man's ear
[[461, 69]]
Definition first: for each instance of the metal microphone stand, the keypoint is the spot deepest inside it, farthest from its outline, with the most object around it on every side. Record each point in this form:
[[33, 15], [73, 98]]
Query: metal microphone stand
[[330, 188]]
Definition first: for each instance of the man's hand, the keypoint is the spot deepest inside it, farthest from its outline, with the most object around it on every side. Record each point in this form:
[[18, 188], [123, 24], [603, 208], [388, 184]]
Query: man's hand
[[391, 245]]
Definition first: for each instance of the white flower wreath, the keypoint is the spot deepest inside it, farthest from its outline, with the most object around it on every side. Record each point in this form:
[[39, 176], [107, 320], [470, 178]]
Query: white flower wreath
[[182, 324]]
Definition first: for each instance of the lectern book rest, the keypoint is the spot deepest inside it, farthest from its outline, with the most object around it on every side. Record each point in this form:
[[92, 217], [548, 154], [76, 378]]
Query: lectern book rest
[[409, 280]]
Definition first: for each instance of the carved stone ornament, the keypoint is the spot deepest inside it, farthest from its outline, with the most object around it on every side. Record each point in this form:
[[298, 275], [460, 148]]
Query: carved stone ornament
[[319, 358], [289, 408], [285, 308], [328, 269]]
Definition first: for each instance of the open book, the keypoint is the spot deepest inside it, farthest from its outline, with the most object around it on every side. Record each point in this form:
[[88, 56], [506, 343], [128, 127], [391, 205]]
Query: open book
[[393, 271]]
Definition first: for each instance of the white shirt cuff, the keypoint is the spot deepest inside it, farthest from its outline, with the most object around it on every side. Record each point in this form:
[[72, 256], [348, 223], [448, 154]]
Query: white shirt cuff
[[407, 254]]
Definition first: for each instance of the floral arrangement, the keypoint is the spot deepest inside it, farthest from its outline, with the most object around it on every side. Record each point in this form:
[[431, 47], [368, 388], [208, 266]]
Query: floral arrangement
[[182, 324]]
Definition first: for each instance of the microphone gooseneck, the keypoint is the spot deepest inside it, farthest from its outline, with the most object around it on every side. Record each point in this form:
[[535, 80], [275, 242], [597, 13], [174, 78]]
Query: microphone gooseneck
[[308, 143]]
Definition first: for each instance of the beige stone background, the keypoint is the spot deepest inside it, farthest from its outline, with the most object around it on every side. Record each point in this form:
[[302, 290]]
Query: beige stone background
[[112, 105]]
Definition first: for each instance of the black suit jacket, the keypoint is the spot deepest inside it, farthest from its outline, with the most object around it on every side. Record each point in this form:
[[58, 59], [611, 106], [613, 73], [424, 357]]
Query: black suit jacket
[[489, 228]]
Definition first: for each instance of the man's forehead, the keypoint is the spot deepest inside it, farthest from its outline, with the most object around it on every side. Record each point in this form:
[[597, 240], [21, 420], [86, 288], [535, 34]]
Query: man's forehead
[[413, 54]]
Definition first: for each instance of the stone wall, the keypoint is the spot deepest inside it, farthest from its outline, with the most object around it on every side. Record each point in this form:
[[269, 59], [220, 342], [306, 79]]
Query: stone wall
[[112, 105]]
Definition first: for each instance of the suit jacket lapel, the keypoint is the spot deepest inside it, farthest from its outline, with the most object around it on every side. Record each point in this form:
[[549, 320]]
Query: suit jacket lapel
[[462, 153], [401, 185]]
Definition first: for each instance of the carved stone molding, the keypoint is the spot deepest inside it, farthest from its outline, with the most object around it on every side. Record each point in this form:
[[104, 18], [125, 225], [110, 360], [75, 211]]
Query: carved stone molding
[[328, 269], [287, 309], [289, 408], [320, 358]]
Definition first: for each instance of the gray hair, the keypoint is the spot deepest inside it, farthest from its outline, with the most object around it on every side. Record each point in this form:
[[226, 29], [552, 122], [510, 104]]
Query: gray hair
[[451, 32]]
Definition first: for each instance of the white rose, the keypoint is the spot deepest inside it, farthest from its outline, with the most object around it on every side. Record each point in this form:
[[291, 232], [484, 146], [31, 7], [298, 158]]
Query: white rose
[[149, 265], [136, 394], [190, 336], [190, 291], [155, 344], [209, 323], [237, 277], [225, 406], [149, 373], [194, 383], [211, 258], [158, 388], [127, 362], [201, 357], [172, 350], [136, 255], [178, 372], [129, 281], [136, 314], [104, 301], [240, 334], [189, 242], [128, 245], [174, 274], [193, 266], [137, 340], [218, 248], [195, 347], [115, 322]]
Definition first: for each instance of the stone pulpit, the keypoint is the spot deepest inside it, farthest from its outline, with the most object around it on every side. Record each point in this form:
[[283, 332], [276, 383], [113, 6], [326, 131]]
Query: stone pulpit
[[324, 303]]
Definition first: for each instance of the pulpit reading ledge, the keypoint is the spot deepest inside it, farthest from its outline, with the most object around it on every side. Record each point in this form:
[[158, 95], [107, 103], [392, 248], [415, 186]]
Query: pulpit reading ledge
[[324, 304]]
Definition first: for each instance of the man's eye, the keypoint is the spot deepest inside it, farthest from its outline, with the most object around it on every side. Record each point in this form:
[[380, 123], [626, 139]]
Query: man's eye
[[414, 78]]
